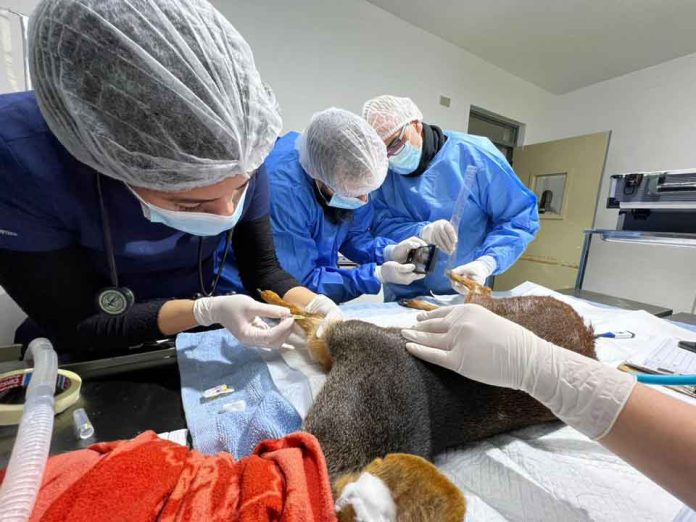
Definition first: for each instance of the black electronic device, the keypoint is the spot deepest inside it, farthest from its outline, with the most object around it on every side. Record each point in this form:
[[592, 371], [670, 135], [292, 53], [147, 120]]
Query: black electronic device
[[661, 201], [422, 257]]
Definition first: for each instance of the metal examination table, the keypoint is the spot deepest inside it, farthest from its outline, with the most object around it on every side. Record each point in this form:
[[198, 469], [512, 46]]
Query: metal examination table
[[125, 395], [617, 302]]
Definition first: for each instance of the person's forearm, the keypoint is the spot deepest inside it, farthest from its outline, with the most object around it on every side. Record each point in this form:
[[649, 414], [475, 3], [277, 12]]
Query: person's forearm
[[656, 434], [176, 316], [299, 296]]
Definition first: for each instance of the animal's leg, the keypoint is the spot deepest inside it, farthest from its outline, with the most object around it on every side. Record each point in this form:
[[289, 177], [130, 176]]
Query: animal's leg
[[472, 286], [418, 304], [319, 352], [317, 347], [419, 490]]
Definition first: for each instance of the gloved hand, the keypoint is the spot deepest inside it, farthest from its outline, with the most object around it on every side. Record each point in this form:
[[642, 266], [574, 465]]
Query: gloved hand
[[440, 233], [485, 347], [396, 273], [399, 252], [477, 270], [240, 314], [322, 305]]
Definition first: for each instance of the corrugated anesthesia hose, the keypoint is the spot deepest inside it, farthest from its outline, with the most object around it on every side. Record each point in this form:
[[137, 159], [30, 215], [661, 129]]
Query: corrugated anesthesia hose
[[28, 460]]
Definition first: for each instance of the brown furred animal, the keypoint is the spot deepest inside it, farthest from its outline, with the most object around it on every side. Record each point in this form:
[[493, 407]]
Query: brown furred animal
[[379, 400]]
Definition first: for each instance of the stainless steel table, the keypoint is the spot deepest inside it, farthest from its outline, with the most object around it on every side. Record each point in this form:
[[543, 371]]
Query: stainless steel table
[[618, 302], [683, 317]]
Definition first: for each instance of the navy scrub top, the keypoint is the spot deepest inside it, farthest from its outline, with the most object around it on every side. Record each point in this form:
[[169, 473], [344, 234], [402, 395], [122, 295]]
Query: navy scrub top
[[48, 201]]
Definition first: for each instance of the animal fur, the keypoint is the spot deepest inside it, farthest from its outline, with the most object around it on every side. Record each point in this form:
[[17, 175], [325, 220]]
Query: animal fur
[[378, 399], [474, 288], [418, 489]]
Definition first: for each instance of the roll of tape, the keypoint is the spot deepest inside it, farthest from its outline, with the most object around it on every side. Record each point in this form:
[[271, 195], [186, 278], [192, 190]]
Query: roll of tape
[[68, 382]]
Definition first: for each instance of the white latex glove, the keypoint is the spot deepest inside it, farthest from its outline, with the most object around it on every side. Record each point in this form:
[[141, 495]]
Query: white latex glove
[[485, 347], [322, 305], [240, 315], [399, 252], [478, 270], [440, 233], [396, 273]]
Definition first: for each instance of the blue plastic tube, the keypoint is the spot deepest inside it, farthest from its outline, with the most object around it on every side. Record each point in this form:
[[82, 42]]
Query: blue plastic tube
[[666, 380]]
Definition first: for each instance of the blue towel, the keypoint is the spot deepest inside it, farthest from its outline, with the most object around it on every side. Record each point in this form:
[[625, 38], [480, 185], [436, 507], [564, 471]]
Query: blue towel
[[208, 359]]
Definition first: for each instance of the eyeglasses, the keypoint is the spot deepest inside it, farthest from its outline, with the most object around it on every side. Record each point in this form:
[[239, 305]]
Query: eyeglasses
[[398, 143]]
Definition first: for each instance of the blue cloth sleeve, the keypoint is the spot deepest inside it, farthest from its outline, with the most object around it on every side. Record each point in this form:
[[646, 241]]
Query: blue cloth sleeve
[[360, 245], [389, 225], [511, 207], [29, 219], [299, 255]]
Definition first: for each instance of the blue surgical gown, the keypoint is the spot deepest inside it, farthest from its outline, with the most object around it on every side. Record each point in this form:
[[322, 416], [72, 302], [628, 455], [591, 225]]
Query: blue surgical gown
[[499, 219], [308, 243]]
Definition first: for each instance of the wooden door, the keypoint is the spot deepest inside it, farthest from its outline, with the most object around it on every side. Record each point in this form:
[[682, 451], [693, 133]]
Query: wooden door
[[565, 175]]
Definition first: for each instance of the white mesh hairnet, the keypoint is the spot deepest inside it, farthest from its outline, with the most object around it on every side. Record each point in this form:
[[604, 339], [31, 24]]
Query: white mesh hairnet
[[387, 114], [341, 150], [162, 94]]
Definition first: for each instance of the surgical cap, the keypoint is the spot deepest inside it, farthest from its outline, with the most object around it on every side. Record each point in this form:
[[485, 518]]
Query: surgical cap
[[341, 150], [162, 94], [387, 114]]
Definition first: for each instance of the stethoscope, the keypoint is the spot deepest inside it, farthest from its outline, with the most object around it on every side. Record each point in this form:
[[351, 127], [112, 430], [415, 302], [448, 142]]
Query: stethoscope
[[117, 299]]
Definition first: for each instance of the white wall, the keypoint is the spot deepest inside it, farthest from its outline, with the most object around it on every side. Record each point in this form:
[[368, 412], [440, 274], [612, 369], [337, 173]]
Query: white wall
[[12, 77], [319, 53], [652, 116]]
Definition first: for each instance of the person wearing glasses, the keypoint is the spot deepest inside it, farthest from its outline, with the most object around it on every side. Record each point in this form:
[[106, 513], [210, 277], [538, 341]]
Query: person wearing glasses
[[130, 180], [321, 182], [428, 169]]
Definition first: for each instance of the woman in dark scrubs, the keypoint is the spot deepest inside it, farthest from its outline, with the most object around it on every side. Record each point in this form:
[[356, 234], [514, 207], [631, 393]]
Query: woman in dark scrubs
[[131, 176]]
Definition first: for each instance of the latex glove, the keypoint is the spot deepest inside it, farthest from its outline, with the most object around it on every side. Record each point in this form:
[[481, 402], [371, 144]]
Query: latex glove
[[485, 347], [322, 305], [399, 252], [396, 273], [478, 270], [296, 340], [440, 233], [240, 314]]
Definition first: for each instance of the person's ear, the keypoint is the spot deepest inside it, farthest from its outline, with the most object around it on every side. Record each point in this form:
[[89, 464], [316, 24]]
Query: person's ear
[[418, 126]]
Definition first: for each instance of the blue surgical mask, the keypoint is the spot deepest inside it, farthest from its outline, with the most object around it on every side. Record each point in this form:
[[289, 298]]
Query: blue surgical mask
[[345, 202], [405, 161], [196, 223], [338, 201]]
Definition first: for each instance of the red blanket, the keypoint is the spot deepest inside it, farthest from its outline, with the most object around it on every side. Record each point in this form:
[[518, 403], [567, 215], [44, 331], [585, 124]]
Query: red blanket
[[148, 478]]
